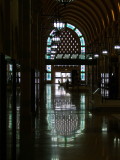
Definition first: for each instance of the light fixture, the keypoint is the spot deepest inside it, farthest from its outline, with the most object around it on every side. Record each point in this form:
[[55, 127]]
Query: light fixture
[[64, 2], [90, 57], [56, 39], [59, 25], [105, 52], [55, 36], [117, 46], [96, 55], [54, 46]]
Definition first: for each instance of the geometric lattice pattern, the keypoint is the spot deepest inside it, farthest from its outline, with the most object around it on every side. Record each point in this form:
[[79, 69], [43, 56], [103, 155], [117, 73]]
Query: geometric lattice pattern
[[68, 47], [68, 43]]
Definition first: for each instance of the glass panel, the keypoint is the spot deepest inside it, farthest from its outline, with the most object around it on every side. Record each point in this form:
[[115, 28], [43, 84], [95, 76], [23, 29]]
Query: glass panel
[[82, 41], [48, 49], [59, 25], [82, 56], [82, 68], [82, 76], [70, 26], [66, 74], [48, 68], [49, 41], [78, 32], [48, 57], [57, 74], [57, 80], [82, 49], [48, 76]]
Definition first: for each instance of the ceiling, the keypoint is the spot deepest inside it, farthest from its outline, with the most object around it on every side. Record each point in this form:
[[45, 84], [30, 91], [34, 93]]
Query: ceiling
[[91, 17]]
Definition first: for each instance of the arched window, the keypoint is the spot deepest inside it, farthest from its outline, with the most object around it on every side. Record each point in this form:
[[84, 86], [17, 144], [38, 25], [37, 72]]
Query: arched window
[[68, 44]]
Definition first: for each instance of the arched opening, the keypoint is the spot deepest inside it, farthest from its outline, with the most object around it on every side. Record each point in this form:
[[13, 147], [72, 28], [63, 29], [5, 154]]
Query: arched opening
[[67, 44]]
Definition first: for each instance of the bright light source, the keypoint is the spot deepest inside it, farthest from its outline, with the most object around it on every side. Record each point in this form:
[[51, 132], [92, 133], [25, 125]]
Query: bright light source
[[59, 25], [56, 39], [65, 1], [117, 47], [53, 46], [96, 55], [90, 57], [104, 52]]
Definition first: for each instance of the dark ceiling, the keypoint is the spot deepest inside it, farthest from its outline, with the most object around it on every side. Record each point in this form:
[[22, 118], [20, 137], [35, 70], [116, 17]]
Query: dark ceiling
[[91, 17]]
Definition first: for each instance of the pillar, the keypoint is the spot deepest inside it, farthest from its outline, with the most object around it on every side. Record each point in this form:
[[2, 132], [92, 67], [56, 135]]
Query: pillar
[[25, 107], [3, 100]]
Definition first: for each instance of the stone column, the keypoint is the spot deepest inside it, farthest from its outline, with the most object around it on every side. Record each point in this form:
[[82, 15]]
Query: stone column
[[25, 106]]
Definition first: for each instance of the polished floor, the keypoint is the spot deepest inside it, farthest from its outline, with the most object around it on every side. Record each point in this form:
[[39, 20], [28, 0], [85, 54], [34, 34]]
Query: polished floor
[[65, 128]]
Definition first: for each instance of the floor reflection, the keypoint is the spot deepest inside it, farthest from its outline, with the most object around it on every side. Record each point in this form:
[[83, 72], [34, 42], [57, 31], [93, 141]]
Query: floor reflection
[[63, 116], [65, 129]]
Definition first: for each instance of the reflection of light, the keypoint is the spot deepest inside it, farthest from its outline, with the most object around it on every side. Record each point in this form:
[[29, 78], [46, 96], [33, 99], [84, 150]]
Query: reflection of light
[[104, 126], [82, 101], [104, 129], [63, 122], [116, 142], [90, 115], [55, 157], [10, 120], [65, 107], [96, 55]]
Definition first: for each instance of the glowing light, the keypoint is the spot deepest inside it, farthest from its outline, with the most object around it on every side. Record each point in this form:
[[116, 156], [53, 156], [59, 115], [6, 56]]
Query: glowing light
[[117, 47], [105, 52], [113, 15]]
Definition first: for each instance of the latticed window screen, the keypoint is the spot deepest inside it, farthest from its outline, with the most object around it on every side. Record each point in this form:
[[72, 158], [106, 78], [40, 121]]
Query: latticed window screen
[[69, 45]]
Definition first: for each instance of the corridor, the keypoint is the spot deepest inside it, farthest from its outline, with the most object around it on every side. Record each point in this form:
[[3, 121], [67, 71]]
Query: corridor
[[65, 129]]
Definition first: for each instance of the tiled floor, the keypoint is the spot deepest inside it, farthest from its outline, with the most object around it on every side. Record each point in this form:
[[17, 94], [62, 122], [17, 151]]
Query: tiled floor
[[65, 129]]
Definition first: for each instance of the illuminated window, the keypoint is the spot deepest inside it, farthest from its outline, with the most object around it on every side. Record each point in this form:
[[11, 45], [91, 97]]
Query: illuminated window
[[82, 76], [48, 49], [82, 68], [82, 49], [48, 76], [48, 41], [57, 74], [67, 44], [82, 41], [78, 32], [48, 68], [70, 26]]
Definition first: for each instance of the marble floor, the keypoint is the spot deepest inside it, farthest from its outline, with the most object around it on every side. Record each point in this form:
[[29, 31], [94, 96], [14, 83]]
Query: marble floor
[[66, 129]]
